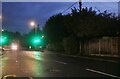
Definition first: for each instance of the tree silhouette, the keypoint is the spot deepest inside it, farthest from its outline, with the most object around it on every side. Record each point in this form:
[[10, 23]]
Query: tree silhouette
[[81, 25]]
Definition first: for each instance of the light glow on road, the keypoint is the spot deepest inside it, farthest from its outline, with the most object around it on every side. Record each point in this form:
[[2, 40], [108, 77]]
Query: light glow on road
[[37, 55]]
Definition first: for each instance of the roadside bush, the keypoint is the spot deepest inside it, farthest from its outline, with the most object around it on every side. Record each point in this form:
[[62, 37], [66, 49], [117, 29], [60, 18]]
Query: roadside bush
[[71, 45], [56, 47]]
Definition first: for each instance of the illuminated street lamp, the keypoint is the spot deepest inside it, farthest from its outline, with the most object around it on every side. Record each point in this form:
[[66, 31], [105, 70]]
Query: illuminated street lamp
[[36, 40], [32, 23], [2, 30]]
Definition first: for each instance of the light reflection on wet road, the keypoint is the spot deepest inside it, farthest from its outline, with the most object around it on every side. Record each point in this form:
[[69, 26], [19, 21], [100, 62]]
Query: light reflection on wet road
[[47, 64], [27, 63]]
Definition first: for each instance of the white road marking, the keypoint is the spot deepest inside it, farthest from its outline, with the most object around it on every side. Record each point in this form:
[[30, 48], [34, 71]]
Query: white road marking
[[103, 73], [60, 62]]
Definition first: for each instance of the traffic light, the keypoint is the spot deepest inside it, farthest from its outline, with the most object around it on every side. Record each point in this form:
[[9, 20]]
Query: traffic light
[[36, 40], [3, 40]]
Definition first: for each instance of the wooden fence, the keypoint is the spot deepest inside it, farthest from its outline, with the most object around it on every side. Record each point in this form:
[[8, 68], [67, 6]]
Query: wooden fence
[[106, 46]]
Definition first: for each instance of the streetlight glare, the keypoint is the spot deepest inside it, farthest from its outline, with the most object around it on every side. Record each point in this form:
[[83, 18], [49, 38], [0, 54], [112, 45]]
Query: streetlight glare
[[2, 30], [32, 23]]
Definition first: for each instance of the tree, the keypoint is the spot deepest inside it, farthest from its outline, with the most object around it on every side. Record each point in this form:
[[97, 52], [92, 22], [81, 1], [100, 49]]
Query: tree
[[81, 25], [54, 29]]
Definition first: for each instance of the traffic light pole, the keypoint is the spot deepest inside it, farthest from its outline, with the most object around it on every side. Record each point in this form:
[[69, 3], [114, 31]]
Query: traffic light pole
[[35, 35], [80, 5]]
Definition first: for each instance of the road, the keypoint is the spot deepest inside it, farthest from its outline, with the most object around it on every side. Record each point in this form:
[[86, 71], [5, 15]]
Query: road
[[48, 64]]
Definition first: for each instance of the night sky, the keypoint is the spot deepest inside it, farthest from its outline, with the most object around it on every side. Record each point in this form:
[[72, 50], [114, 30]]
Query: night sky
[[17, 15]]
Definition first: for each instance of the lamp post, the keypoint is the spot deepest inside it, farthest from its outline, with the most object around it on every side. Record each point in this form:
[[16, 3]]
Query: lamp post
[[36, 40], [33, 24], [2, 30]]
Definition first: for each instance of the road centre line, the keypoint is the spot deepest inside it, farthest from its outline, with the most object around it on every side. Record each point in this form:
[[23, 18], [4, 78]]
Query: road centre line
[[103, 73]]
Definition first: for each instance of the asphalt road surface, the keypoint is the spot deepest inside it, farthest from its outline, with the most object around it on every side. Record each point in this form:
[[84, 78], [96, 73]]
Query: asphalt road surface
[[48, 64]]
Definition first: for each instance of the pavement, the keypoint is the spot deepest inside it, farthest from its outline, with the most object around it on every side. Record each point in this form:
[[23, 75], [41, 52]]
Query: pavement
[[98, 58], [48, 64]]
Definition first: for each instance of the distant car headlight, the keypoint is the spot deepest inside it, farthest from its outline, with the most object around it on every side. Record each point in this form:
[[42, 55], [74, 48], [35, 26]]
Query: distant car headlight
[[14, 47]]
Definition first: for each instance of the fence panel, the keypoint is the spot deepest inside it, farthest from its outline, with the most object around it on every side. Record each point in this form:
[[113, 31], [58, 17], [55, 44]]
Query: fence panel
[[106, 46]]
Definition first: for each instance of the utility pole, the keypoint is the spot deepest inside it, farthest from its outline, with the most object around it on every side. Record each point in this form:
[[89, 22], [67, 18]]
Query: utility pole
[[38, 28], [118, 38], [119, 9], [80, 5]]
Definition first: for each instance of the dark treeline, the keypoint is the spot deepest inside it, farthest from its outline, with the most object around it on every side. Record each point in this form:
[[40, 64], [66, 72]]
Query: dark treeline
[[12, 36], [23, 39], [65, 32]]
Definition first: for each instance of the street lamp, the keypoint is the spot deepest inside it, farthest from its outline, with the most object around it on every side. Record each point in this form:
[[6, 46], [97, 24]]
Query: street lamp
[[32, 23], [2, 30], [36, 40]]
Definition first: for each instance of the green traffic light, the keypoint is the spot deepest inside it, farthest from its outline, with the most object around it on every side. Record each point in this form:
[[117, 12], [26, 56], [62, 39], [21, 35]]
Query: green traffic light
[[3, 40], [36, 40]]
